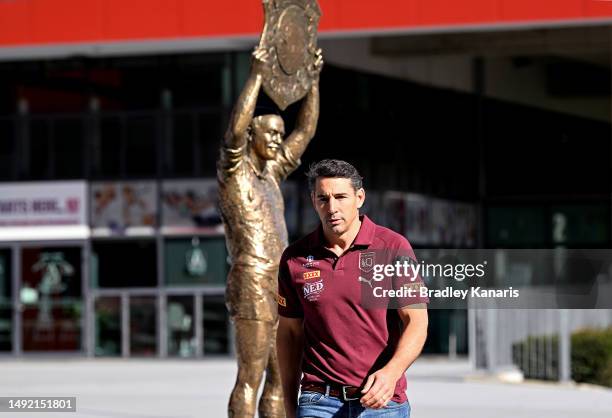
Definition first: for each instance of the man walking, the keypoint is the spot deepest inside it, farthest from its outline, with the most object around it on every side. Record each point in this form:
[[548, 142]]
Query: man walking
[[353, 359]]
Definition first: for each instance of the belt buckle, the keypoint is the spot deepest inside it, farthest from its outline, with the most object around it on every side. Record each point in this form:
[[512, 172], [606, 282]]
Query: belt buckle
[[345, 398]]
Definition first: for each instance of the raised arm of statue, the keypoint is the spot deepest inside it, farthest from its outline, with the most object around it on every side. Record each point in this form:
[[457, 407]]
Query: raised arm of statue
[[242, 115], [308, 117]]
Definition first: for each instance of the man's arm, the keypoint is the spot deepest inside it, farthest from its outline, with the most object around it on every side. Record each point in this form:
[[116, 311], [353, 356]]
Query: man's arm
[[306, 124], [289, 349], [242, 115], [380, 385]]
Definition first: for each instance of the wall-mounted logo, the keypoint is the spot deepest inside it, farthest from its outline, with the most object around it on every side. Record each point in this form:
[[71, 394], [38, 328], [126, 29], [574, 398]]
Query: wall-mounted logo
[[195, 260]]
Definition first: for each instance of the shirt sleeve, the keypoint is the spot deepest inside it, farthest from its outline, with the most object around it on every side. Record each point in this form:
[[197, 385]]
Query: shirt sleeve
[[412, 286], [230, 160], [289, 303], [284, 164]]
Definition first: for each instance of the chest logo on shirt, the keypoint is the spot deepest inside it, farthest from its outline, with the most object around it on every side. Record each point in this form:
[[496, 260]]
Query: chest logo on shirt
[[312, 291], [311, 274], [310, 262], [366, 261]]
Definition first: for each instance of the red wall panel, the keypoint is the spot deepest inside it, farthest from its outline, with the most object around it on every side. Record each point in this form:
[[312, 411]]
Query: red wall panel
[[529, 9], [598, 8], [39, 22], [14, 22], [63, 19], [124, 19], [437, 12], [235, 17], [367, 14]]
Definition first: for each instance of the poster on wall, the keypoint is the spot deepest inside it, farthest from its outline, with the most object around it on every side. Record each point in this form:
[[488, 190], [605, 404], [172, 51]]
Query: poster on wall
[[43, 204], [45, 210], [127, 207], [190, 207]]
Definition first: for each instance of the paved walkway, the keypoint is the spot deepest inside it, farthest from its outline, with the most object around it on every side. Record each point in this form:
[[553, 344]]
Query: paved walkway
[[190, 389]]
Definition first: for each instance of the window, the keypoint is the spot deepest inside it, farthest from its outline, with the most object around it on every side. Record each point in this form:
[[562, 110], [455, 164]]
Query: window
[[181, 326], [69, 150], [56, 148], [7, 148], [110, 149], [51, 297], [143, 326], [130, 263], [195, 261], [194, 147], [216, 320], [141, 146], [108, 326]]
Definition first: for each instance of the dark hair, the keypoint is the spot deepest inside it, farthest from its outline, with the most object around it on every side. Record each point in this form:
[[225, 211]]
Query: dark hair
[[333, 169]]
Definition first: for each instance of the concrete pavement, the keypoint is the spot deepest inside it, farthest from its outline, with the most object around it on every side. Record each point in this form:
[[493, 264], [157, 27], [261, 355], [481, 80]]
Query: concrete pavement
[[188, 389]]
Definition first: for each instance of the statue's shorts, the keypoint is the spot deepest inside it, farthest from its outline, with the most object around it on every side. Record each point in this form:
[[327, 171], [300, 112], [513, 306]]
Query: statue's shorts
[[252, 292]]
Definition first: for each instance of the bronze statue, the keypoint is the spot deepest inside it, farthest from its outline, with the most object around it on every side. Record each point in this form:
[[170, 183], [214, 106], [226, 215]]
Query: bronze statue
[[254, 160]]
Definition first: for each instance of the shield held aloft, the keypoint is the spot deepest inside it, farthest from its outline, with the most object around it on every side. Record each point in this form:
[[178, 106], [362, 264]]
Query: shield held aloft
[[290, 37]]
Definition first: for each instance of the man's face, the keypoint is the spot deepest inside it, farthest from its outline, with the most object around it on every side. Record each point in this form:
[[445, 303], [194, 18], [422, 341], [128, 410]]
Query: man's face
[[337, 203], [268, 132]]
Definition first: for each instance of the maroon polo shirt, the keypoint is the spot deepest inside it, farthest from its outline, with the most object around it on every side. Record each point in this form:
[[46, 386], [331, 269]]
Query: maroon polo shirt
[[344, 341]]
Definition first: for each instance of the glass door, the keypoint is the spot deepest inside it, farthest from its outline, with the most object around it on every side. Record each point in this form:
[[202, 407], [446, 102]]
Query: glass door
[[51, 298]]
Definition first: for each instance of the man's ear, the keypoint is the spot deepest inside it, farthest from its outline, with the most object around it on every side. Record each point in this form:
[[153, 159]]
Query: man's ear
[[360, 197]]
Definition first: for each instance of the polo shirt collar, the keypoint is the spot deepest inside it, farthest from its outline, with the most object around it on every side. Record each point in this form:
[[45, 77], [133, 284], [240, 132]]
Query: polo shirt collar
[[364, 237]]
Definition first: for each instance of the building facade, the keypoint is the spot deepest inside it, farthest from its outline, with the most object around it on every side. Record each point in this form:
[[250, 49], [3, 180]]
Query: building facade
[[475, 123]]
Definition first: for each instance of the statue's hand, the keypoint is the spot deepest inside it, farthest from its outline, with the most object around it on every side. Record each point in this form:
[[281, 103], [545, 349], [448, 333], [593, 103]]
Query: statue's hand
[[259, 61], [317, 65]]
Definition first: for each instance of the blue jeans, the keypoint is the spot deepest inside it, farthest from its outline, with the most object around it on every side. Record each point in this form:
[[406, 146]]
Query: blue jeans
[[318, 405]]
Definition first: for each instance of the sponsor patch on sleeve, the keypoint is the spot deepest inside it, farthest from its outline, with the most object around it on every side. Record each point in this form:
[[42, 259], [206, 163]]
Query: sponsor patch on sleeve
[[282, 301]]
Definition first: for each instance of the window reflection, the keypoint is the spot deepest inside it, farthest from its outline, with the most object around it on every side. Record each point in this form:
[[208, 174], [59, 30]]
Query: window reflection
[[181, 329], [143, 326], [108, 326]]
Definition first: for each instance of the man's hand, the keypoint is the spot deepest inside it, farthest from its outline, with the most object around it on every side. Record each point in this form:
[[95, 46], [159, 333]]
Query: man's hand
[[259, 61], [379, 388]]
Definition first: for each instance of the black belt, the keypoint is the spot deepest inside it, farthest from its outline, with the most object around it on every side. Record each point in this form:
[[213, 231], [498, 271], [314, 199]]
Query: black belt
[[346, 393]]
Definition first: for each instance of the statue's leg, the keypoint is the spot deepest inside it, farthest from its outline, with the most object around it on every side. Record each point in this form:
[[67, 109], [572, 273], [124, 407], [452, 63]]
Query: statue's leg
[[271, 404], [252, 351]]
